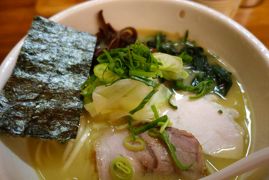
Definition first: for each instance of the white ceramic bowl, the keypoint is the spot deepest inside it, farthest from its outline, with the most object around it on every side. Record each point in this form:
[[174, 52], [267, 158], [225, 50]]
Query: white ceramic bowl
[[239, 49]]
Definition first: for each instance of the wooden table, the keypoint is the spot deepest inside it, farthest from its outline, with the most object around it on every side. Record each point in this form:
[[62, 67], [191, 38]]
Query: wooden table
[[16, 17]]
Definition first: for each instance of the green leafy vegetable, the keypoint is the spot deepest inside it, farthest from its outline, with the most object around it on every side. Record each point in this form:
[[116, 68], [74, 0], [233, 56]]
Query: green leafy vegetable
[[201, 89], [171, 66], [197, 61], [118, 99], [161, 44], [122, 96], [102, 72], [221, 77], [223, 80], [186, 58]]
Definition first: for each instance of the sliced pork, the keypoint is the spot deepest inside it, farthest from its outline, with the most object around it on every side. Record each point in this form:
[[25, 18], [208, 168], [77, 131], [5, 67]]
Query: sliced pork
[[154, 159], [211, 123], [189, 151]]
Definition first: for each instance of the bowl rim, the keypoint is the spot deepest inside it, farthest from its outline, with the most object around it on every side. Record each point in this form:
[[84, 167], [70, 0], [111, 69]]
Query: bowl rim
[[8, 63], [259, 46], [10, 59]]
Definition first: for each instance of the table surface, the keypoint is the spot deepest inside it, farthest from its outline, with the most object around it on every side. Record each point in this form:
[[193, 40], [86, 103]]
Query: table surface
[[16, 17]]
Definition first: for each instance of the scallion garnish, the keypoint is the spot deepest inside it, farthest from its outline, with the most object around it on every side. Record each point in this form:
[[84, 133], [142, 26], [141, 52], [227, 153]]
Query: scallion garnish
[[121, 169], [130, 127], [164, 125], [137, 144], [145, 100], [170, 100], [155, 111], [172, 151], [150, 125], [144, 80]]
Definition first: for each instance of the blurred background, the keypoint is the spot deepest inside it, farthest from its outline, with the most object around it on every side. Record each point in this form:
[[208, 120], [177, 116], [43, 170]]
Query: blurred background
[[16, 16]]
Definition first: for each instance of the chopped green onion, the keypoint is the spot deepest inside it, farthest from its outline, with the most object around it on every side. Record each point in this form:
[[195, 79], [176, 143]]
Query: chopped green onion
[[164, 125], [144, 101], [172, 151], [144, 80], [155, 111], [139, 72], [154, 133], [130, 127], [134, 60], [121, 169], [110, 59], [150, 125], [170, 101], [137, 144], [139, 58]]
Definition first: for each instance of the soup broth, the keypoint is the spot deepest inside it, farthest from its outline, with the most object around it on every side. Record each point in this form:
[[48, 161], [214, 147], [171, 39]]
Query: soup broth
[[76, 159]]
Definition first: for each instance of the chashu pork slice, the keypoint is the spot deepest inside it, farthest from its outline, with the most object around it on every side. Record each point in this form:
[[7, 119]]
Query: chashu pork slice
[[154, 160]]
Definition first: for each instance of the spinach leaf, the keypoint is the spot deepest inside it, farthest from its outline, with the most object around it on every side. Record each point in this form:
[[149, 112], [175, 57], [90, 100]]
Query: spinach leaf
[[197, 60], [161, 44], [201, 89], [223, 79]]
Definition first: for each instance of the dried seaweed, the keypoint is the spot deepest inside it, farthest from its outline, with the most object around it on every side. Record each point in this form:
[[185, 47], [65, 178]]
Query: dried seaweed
[[42, 97]]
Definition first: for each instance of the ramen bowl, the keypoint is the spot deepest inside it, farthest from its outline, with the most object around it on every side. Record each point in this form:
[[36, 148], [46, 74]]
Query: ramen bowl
[[238, 49]]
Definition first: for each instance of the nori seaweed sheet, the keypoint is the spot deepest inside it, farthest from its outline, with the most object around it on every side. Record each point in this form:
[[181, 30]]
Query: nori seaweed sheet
[[42, 96]]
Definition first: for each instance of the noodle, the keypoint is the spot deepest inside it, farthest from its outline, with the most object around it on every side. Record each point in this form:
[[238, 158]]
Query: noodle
[[37, 156], [68, 149], [77, 158], [77, 148], [51, 149], [71, 143]]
